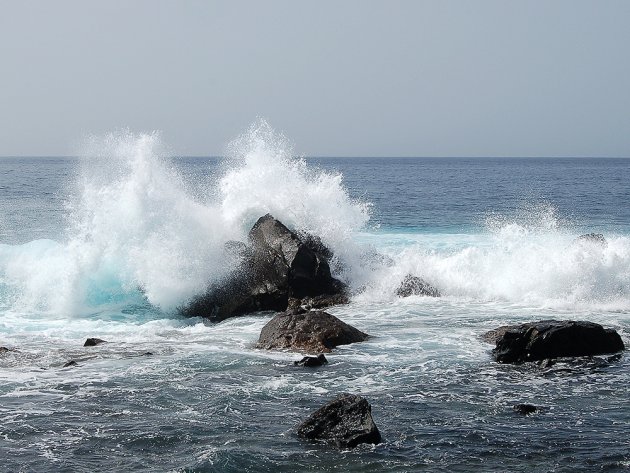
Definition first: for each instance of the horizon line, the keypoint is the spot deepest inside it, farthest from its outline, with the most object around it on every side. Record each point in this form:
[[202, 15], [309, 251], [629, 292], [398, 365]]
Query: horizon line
[[199, 156]]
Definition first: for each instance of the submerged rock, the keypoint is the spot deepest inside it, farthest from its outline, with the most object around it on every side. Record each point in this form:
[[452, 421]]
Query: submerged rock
[[345, 421], [525, 409], [277, 265], [312, 361], [92, 342], [4, 350], [311, 332], [415, 286], [70, 363], [552, 339], [597, 238]]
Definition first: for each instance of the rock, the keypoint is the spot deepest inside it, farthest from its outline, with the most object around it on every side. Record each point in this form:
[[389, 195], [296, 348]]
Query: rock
[[92, 342], [415, 286], [525, 409], [4, 350], [318, 302], [597, 238], [546, 363], [552, 339], [147, 353], [70, 363], [312, 361], [311, 332], [345, 421], [277, 265]]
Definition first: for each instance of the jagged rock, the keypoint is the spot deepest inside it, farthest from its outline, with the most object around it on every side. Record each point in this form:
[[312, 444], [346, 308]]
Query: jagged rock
[[70, 363], [525, 409], [415, 286], [92, 342], [312, 361], [311, 332], [552, 339], [4, 350], [277, 265], [345, 421], [597, 238]]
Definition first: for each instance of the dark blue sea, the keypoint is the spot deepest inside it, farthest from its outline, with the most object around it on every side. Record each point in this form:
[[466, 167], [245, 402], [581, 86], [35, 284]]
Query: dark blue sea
[[112, 243]]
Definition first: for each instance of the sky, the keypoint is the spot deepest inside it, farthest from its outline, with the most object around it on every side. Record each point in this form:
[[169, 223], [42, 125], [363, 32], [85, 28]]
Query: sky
[[338, 78]]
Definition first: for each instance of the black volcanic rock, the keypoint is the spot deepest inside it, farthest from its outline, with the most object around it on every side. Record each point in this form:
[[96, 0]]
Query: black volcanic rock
[[92, 342], [346, 421], [415, 286], [311, 332], [312, 361], [275, 266], [552, 339], [525, 409]]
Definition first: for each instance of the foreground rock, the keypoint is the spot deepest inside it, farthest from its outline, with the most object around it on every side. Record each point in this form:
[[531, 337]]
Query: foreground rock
[[275, 266], [310, 332], [346, 421], [415, 286], [92, 342], [312, 361], [552, 339]]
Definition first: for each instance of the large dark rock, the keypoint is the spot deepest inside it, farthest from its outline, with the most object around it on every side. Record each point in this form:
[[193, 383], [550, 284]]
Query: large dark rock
[[552, 339], [311, 332], [415, 286], [345, 421], [275, 266]]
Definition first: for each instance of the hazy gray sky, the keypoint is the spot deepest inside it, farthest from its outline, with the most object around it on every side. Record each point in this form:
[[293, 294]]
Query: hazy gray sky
[[339, 78]]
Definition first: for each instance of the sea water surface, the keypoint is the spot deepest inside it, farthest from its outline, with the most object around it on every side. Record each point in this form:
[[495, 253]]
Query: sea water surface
[[111, 244]]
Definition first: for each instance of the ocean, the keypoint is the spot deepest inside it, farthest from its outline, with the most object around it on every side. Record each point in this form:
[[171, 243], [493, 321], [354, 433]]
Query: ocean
[[111, 244]]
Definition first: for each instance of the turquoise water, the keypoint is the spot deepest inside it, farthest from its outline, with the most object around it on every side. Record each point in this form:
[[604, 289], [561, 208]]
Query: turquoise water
[[111, 244]]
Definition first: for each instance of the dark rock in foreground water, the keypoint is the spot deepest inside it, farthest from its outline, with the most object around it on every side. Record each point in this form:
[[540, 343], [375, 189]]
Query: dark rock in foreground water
[[552, 339], [312, 361], [525, 409], [92, 342], [415, 286], [275, 266], [70, 363], [311, 332], [346, 421]]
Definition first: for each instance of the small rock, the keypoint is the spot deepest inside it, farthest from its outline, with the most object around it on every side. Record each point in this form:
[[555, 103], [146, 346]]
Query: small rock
[[311, 332], [147, 353], [596, 238], [345, 421], [312, 361], [415, 286], [92, 342], [525, 409], [4, 350], [70, 363]]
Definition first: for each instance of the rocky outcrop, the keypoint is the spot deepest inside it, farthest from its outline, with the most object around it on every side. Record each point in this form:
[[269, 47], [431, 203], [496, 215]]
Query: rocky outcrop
[[346, 421], [275, 266], [415, 286], [92, 342], [552, 339], [310, 332], [312, 361]]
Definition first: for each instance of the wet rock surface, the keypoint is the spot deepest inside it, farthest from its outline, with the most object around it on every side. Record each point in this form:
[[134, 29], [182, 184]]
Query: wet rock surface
[[312, 361], [310, 332], [549, 339], [92, 342], [524, 409], [415, 286], [346, 421], [275, 266]]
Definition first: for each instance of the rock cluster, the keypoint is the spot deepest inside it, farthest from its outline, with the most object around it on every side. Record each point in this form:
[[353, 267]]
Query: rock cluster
[[415, 286]]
